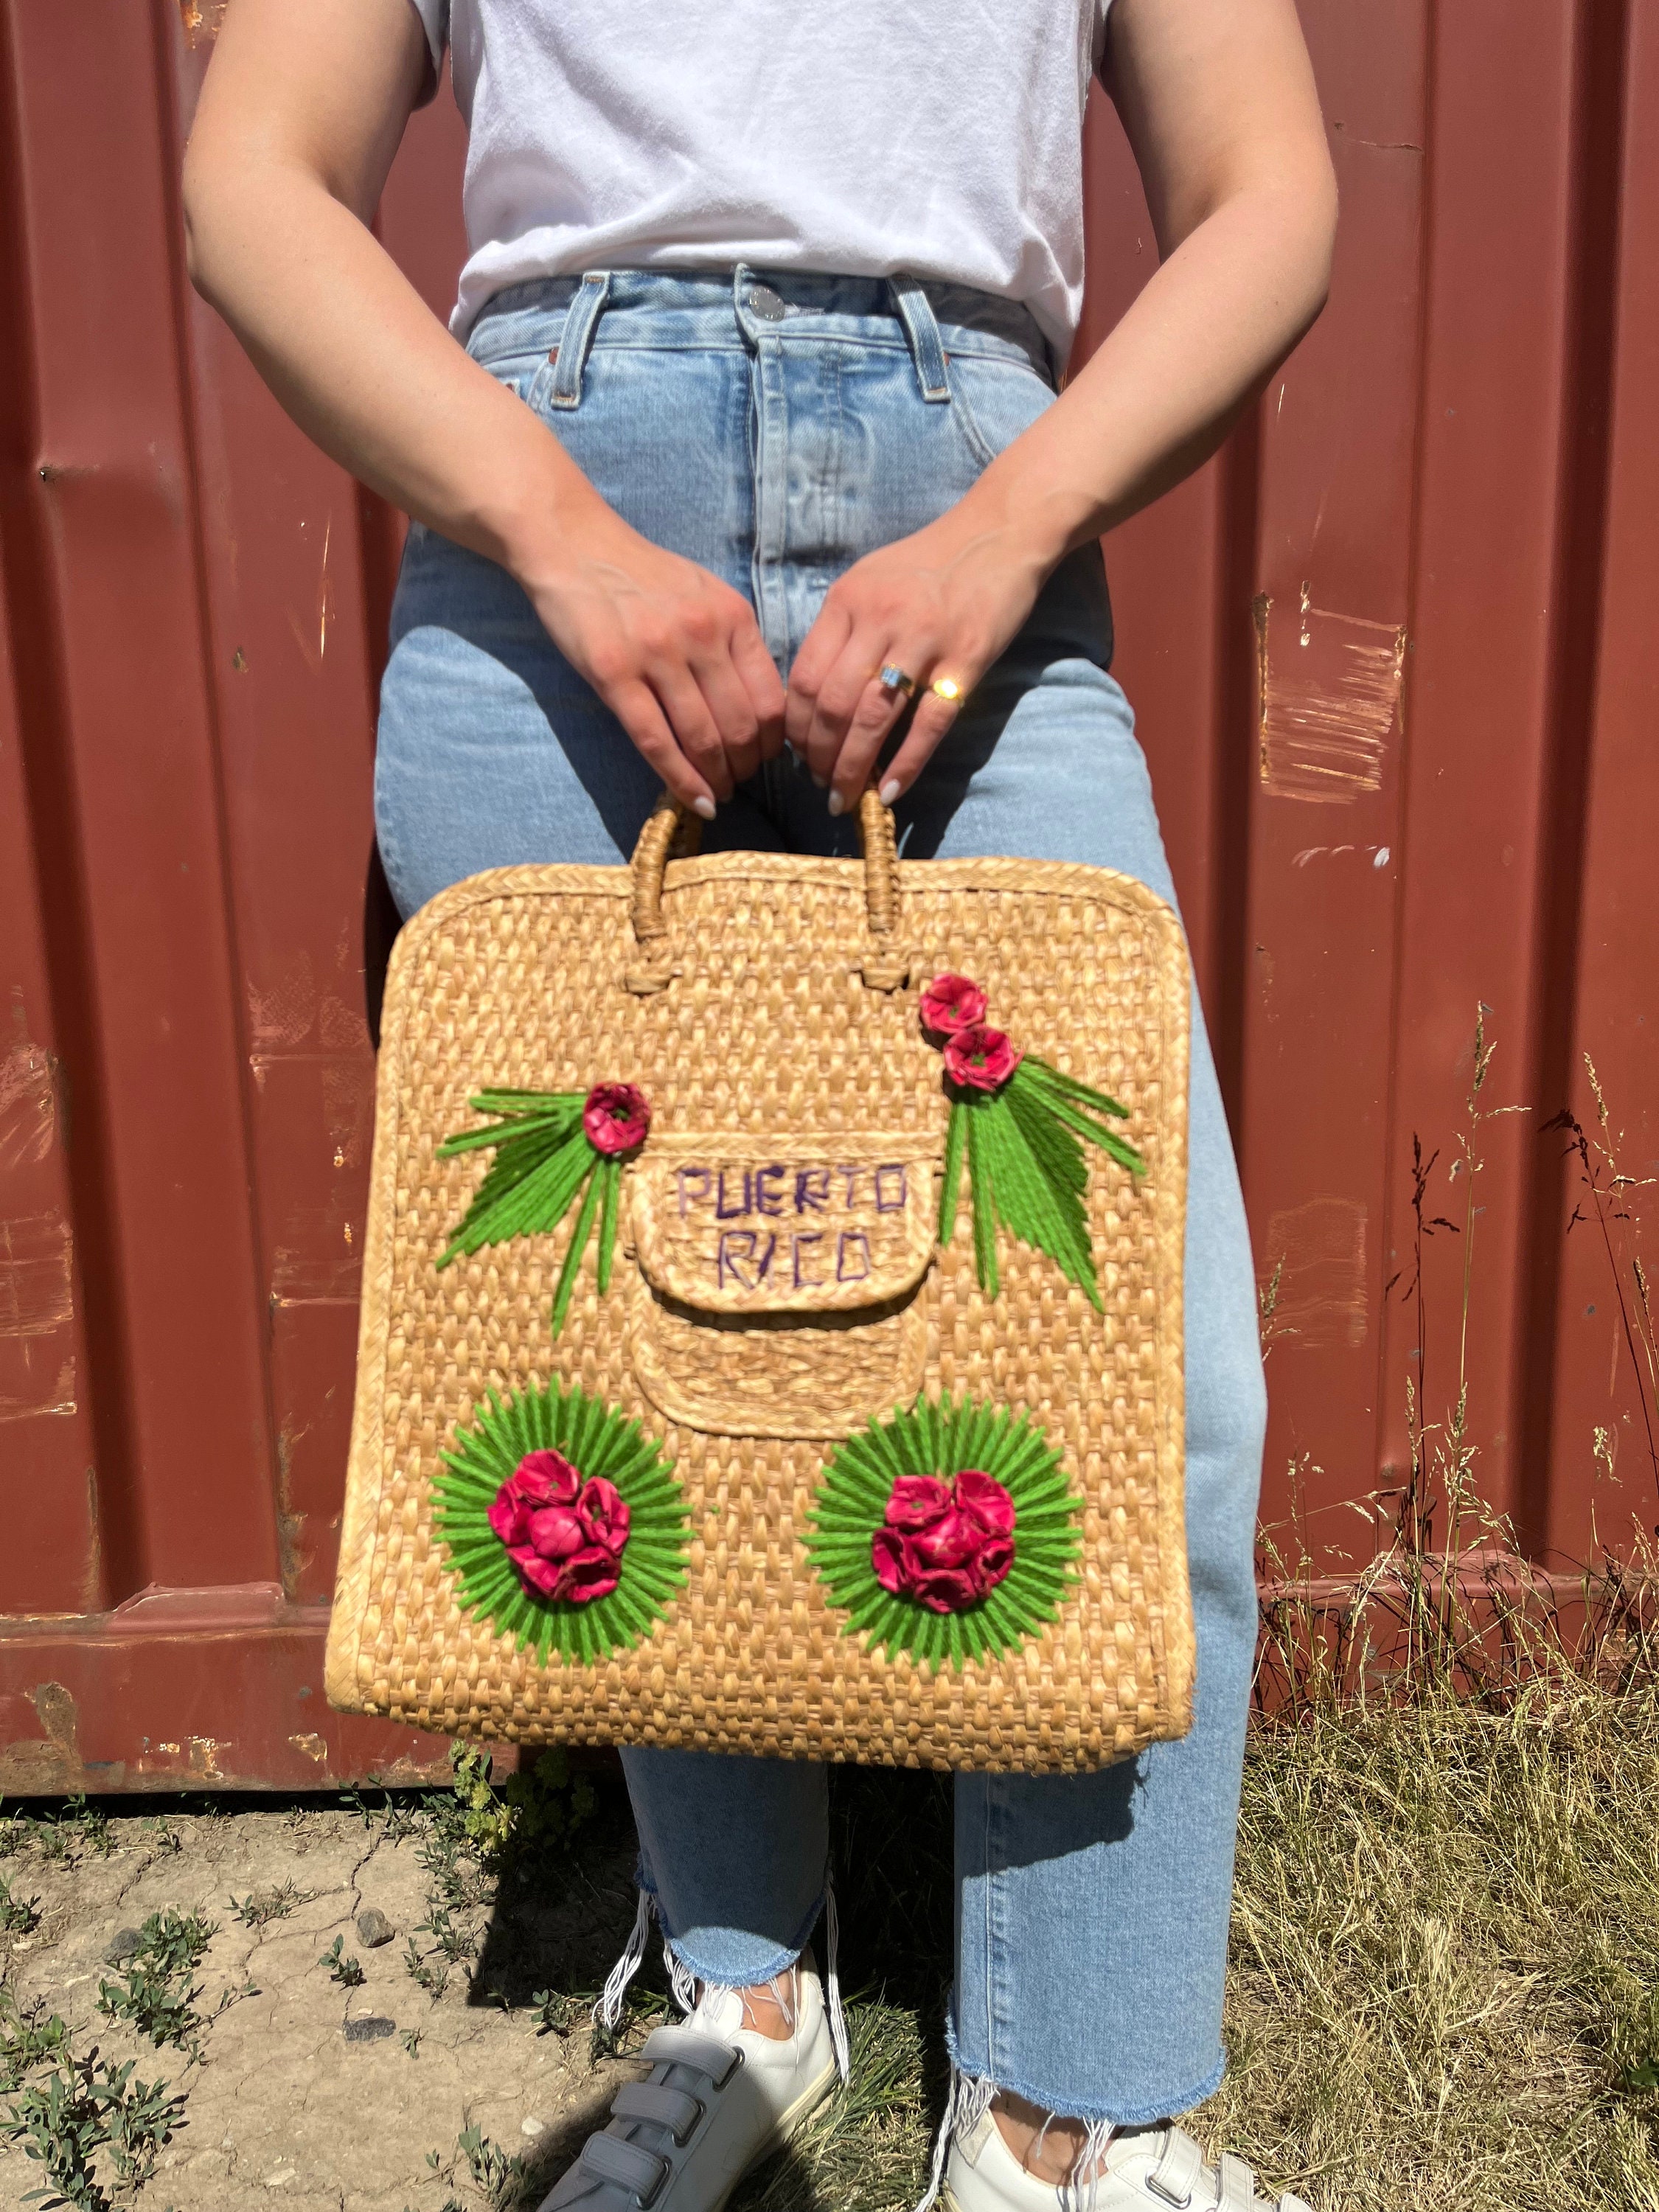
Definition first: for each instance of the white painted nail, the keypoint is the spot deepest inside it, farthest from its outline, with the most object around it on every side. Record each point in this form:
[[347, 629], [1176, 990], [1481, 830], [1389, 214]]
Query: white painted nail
[[838, 804], [705, 807], [890, 791]]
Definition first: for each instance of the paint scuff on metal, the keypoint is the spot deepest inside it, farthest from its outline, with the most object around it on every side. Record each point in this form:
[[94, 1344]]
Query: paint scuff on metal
[[28, 1107], [201, 20], [1315, 1256], [37, 1274], [1326, 702]]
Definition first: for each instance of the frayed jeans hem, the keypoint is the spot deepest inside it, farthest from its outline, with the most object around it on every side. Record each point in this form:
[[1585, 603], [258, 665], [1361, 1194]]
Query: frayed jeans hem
[[1066, 2107], [776, 1963]]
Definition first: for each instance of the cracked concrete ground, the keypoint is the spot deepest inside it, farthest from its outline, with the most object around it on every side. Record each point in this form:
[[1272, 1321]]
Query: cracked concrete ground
[[283, 2105]]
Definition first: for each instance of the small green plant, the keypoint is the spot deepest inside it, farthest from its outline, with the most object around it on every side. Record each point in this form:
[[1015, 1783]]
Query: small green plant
[[553, 2013], [546, 1805], [434, 1980], [491, 2169], [346, 1971], [18, 1915], [398, 1817], [28, 2037], [63, 2121], [79, 1831], [157, 1993], [412, 2041], [261, 1905]]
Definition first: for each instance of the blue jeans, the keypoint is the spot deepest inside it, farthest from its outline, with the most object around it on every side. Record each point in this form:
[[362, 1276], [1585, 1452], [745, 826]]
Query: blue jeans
[[775, 433]]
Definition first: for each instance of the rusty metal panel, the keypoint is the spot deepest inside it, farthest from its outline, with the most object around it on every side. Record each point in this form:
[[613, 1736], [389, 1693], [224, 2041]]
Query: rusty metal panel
[[1392, 658]]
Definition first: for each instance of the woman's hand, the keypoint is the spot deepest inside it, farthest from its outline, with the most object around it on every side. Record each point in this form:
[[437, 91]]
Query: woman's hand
[[942, 605], [675, 654]]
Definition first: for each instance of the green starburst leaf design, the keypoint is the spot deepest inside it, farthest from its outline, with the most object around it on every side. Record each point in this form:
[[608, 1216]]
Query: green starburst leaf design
[[1027, 1171], [942, 1439], [596, 1439], [544, 1163]]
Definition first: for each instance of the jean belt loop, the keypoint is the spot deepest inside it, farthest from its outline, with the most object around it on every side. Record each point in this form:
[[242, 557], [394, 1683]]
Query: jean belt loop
[[582, 315], [916, 312]]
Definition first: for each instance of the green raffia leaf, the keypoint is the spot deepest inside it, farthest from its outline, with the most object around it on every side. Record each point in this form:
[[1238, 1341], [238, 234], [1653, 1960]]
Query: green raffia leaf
[[1073, 1103], [1027, 1172], [979, 1180], [1051, 1180], [956, 1138], [942, 1437], [579, 1238], [611, 1173], [1041, 1072], [543, 1161], [599, 1439], [541, 1149]]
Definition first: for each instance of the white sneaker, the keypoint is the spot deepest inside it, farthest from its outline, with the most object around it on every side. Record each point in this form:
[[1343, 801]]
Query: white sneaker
[[718, 2098], [1147, 2170]]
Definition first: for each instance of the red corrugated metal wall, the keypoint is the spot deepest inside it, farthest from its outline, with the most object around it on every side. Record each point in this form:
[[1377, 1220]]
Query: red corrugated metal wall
[[1394, 660]]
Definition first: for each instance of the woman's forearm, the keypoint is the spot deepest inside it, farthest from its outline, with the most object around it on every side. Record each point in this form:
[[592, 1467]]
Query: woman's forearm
[[360, 362], [298, 124], [1162, 390]]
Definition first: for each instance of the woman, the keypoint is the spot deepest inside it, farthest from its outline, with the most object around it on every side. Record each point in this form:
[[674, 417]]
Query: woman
[[749, 477]]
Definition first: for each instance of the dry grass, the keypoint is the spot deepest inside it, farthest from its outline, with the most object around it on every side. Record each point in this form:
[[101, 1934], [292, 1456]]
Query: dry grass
[[1445, 1982], [1444, 1990]]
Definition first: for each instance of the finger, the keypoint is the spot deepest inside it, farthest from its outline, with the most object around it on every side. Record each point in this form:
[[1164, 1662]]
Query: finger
[[868, 728], [759, 674], [850, 685], [695, 731], [636, 708], [931, 723], [821, 648], [726, 696]]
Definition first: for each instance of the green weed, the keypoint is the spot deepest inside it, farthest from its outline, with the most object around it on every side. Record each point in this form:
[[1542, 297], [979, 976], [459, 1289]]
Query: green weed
[[65, 2120], [553, 2013], [500, 2177], [29, 2037], [261, 1906], [18, 1915], [434, 1980], [345, 1970], [157, 1992]]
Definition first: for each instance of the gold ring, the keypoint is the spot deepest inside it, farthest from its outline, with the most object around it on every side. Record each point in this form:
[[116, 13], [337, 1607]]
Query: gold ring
[[893, 678], [945, 688]]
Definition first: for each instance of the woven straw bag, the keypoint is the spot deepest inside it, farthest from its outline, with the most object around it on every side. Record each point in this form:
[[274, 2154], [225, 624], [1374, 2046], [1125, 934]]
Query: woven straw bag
[[783, 1323]]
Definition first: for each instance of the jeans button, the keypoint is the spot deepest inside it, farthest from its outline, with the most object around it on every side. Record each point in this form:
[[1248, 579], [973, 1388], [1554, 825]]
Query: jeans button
[[765, 303]]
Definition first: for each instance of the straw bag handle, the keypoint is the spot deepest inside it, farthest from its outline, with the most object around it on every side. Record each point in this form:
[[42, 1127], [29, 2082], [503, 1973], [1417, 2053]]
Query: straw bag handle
[[883, 967]]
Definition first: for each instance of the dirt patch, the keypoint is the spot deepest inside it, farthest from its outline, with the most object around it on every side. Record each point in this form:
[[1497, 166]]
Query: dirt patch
[[299, 2064]]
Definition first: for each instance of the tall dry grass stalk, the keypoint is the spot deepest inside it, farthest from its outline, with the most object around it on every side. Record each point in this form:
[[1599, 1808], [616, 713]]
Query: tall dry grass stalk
[[1445, 1971], [1449, 1604]]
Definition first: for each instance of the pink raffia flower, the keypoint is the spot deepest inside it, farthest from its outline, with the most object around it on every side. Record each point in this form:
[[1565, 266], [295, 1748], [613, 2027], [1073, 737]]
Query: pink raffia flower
[[616, 1117], [980, 1058], [951, 1003], [945, 1544], [564, 1534]]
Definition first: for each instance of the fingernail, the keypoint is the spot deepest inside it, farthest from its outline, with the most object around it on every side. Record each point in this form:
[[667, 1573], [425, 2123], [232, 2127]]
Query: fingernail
[[890, 791], [821, 782], [838, 804], [705, 807]]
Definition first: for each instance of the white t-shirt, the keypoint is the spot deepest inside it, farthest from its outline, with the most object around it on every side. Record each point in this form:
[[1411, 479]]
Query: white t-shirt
[[863, 137]]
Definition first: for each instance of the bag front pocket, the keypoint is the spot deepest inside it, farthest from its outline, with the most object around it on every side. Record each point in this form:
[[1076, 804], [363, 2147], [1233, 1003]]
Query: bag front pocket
[[782, 1283]]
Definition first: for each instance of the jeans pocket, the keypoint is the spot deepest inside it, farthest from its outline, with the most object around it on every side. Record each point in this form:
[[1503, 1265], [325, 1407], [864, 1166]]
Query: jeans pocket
[[523, 359], [995, 401]]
